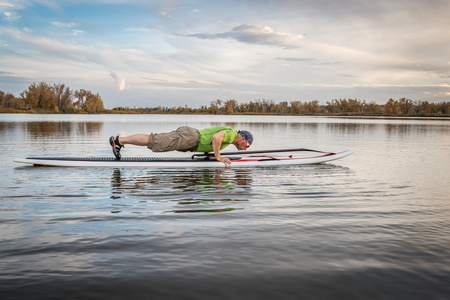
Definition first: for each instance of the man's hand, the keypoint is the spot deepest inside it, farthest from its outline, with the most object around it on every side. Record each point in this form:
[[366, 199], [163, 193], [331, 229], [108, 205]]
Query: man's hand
[[217, 140], [225, 160]]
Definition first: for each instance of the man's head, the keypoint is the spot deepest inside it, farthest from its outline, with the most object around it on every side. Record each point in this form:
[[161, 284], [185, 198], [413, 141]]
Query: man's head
[[245, 139]]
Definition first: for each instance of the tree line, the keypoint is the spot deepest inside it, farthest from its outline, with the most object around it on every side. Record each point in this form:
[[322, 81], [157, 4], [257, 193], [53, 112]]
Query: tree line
[[57, 98], [401, 107], [60, 98]]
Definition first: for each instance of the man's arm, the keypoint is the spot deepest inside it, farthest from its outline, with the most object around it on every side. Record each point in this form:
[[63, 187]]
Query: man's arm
[[217, 140]]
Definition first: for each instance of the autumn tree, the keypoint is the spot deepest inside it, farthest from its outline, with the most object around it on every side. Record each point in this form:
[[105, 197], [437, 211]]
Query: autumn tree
[[296, 107], [406, 106], [63, 97], [2, 99], [392, 107], [281, 108], [6, 100], [230, 106], [215, 106], [444, 108], [39, 96], [88, 102], [372, 108], [425, 108], [312, 107]]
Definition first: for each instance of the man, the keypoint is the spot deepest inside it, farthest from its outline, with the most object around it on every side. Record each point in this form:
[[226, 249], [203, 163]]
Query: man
[[188, 139]]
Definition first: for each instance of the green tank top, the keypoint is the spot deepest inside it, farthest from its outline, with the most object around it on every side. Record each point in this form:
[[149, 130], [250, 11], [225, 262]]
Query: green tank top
[[207, 134]]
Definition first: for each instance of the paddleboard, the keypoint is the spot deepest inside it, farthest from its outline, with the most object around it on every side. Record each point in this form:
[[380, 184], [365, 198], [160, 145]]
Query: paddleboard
[[183, 162]]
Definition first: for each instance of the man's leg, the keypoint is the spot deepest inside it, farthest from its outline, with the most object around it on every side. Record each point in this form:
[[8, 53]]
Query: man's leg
[[136, 139]]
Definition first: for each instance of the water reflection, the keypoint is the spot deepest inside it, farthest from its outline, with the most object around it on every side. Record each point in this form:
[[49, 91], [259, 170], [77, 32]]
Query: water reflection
[[406, 129], [390, 128], [351, 128], [304, 126], [40, 129], [171, 191]]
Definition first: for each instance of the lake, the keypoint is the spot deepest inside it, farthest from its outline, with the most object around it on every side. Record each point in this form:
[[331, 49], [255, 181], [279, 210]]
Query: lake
[[374, 225]]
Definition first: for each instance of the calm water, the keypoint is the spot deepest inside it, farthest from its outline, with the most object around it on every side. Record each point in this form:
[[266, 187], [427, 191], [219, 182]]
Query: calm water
[[374, 225]]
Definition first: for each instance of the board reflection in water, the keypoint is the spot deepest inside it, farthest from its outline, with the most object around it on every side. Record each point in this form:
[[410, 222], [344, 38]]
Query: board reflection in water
[[180, 191]]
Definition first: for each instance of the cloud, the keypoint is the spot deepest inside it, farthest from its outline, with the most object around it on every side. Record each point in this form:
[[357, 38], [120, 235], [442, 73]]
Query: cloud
[[255, 34], [295, 59], [165, 12], [11, 16], [9, 77], [39, 42], [76, 32], [120, 80], [9, 8], [71, 25], [57, 50], [64, 25]]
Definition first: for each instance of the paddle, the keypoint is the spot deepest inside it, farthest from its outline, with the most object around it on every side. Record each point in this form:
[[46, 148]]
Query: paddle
[[208, 154]]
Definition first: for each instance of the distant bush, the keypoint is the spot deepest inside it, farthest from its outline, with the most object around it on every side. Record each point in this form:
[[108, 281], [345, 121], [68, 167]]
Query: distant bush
[[56, 98]]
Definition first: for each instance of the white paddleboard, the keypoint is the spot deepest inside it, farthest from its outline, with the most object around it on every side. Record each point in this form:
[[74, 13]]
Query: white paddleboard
[[183, 162]]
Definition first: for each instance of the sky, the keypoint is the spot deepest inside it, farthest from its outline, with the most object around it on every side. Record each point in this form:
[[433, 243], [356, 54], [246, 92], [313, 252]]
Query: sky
[[176, 53]]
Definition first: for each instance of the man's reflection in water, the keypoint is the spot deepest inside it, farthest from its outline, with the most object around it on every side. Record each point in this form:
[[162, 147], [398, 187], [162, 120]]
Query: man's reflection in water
[[197, 188]]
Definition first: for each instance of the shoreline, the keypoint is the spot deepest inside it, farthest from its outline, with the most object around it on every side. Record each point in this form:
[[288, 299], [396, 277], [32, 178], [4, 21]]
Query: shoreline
[[112, 112]]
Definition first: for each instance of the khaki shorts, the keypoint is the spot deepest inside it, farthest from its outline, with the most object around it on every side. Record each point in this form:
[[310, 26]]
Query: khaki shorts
[[183, 139]]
